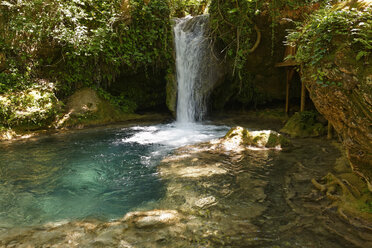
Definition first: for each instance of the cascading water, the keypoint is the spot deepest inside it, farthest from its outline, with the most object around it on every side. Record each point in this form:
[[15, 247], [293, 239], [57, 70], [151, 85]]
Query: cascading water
[[191, 55]]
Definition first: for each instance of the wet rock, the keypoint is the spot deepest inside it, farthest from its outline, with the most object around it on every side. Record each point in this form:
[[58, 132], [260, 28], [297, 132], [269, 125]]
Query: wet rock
[[206, 202], [152, 218], [239, 138]]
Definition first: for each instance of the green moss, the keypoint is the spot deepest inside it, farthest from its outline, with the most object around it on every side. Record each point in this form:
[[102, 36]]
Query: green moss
[[275, 140], [304, 124]]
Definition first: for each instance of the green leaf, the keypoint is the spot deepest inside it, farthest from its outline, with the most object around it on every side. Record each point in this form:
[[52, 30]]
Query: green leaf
[[232, 11], [361, 54]]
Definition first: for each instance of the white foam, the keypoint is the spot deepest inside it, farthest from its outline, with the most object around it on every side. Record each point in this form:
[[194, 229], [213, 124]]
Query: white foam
[[176, 134]]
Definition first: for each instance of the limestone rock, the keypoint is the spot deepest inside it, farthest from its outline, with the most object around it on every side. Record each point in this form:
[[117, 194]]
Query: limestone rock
[[83, 101], [238, 137], [86, 108], [152, 218]]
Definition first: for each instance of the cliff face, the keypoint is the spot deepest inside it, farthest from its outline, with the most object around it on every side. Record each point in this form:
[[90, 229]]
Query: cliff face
[[334, 47], [347, 105]]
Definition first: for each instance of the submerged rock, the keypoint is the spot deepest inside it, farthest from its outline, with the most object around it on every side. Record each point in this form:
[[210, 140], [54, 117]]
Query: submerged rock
[[152, 218], [206, 202]]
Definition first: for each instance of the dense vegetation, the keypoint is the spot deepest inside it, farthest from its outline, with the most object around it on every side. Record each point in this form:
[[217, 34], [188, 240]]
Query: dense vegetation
[[58, 46], [251, 31], [330, 29], [234, 22]]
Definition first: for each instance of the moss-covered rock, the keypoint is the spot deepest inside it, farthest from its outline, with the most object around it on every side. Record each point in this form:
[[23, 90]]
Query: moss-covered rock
[[241, 137], [304, 124], [86, 108]]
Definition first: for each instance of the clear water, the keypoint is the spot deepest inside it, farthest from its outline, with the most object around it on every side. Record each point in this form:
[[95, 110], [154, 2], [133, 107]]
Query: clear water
[[97, 173]]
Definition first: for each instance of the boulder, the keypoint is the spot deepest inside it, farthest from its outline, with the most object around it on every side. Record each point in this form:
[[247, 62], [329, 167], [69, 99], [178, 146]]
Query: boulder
[[240, 137], [83, 101], [304, 124], [153, 218], [86, 108], [171, 91]]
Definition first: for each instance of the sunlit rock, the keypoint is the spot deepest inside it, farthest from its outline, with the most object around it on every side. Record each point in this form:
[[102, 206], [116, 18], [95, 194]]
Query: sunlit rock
[[239, 139], [86, 108], [152, 218], [196, 171]]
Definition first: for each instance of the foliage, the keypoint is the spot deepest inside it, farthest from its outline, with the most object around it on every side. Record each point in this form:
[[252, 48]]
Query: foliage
[[330, 29], [235, 27], [248, 94], [85, 41], [34, 107], [126, 105], [82, 42], [180, 8], [233, 23]]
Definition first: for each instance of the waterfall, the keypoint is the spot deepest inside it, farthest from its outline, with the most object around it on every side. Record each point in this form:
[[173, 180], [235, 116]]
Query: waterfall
[[193, 69]]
